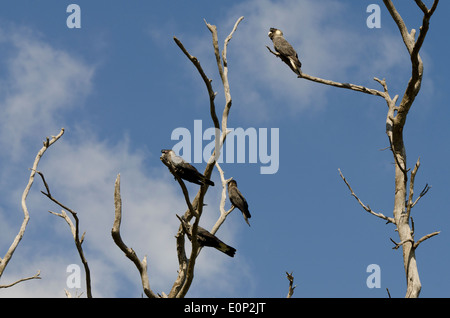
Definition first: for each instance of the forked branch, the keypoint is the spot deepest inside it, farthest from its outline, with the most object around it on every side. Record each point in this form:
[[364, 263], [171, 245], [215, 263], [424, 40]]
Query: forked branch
[[74, 228], [9, 253], [186, 266], [290, 278]]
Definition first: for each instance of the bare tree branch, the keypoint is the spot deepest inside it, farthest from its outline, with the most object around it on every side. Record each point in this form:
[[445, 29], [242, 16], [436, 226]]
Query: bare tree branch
[[193, 211], [223, 213], [411, 204], [129, 252], [75, 229], [413, 47], [408, 39], [354, 87], [183, 263], [35, 276], [422, 193], [5, 260], [290, 278], [186, 266], [426, 237], [367, 208], [389, 294], [395, 121], [211, 93], [414, 244], [397, 245]]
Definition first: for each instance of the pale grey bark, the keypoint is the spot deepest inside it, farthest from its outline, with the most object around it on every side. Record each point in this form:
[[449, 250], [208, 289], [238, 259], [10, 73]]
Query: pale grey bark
[[395, 122], [185, 275], [129, 252], [5, 260]]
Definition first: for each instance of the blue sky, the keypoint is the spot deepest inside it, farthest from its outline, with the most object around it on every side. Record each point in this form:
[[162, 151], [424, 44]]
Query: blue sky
[[120, 86]]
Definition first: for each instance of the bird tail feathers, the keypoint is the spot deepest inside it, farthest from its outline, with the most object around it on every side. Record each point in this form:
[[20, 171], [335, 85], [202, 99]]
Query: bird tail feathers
[[230, 251]]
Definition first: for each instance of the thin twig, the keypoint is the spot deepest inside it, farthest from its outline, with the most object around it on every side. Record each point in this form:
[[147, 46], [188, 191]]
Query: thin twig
[[426, 237], [35, 276], [397, 245], [422, 193], [169, 165], [367, 208]]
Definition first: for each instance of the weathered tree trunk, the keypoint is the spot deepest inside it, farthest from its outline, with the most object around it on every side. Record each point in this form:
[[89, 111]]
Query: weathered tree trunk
[[395, 122]]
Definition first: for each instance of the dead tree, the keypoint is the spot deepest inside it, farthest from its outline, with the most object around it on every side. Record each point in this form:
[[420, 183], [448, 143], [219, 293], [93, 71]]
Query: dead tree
[[185, 275], [395, 122]]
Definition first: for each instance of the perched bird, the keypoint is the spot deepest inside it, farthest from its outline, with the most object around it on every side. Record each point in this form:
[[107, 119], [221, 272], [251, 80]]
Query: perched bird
[[204, 238], [183, 169], [238, 200], [286, 52]]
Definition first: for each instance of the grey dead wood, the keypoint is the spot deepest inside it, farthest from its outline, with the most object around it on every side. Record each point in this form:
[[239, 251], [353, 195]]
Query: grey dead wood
[[395, 123]]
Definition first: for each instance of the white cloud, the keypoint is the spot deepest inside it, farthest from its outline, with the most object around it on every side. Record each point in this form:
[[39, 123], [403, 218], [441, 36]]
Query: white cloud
[[42, 84]]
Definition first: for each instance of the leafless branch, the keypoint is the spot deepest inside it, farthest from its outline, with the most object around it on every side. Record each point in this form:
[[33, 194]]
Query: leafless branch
[[195, 249], [397, 245], [395, 121], [193, 211], [422, 193], [413, 48], [414, 244], [183, 263], [35, 276], [211, 93], [410, 203], [290, 278], [75, 229], [186, 266], [223, 213], [354, 87], [129, 252], [426, 237], [5, 260], [223, 71], [367, 208]]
